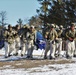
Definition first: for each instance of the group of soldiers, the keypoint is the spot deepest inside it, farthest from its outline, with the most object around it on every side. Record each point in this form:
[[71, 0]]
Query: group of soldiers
[[16, 38], [25, 39], [59, 39]]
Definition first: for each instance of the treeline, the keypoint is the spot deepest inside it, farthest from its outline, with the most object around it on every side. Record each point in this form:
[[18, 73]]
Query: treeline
[[60, 12]]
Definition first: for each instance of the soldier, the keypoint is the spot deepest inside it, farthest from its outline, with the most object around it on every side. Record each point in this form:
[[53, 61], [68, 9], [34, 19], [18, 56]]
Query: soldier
[[17, 39], [1, 38], [52, 36], [60, 36], [70, 43], [75, 44], [24, 34], [47, 47], [9, 41], [31, 40]]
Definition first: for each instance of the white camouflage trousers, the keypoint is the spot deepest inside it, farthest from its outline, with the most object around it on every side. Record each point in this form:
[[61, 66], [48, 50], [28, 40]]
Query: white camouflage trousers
[[75, 48], [52, 49], [50, 45], [59, 46], [17, 45], [30, 48], [70, 46], [9, 48], [24, 48]]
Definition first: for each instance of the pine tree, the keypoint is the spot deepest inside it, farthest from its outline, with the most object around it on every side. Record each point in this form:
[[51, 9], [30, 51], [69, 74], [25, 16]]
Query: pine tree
[[43, 11], [62, 12]]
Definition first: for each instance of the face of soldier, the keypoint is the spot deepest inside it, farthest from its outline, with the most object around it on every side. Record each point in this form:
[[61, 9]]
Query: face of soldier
[[10, 28], [52, 28], [18, 27], [72, 28], [32, 29]]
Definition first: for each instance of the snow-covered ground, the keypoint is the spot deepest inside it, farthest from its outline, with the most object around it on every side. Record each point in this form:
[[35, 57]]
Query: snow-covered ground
[[56, 69], [49, 69]]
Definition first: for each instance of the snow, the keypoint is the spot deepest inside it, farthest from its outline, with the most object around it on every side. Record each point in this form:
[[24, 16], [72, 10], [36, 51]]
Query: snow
[[35, 52], [57, 69], [51, 69]]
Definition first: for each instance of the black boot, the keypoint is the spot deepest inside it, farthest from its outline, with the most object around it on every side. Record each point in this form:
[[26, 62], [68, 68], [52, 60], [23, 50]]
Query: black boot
[[9, 55], [16, 54], [21, 55], [6, 56], [74, 55], [45, 57], [50, 57]]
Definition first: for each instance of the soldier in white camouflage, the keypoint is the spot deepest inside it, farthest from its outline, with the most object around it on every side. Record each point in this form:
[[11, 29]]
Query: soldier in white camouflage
[[17, 39], [52, 36], [24, 34], [31, 40], [1, 38], [47, 47], [70, 43], [60, 37], [75, 42], [9, 41]]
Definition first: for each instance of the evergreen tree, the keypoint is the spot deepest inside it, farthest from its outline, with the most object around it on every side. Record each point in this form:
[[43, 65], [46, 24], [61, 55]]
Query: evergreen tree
[[60, 12], [43, 11], [57, 13], [63, 12]]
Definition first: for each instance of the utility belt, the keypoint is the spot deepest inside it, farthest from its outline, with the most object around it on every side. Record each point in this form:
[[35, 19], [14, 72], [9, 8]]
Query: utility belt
[[72, 39], [51, 41], [59, 40], [10, 41], [17, 39], [24, 40], [54, 41], [16, 36], [30, 42]]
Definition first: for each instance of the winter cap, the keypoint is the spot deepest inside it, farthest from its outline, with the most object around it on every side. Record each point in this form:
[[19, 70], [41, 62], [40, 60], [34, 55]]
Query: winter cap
[[61, 26], [72, 24], [53, 25], [32, 26]]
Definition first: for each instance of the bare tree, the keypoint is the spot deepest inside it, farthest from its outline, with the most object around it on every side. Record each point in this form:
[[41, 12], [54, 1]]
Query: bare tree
[[20, 21], [3, 18], [26, 20], [35, 20]]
